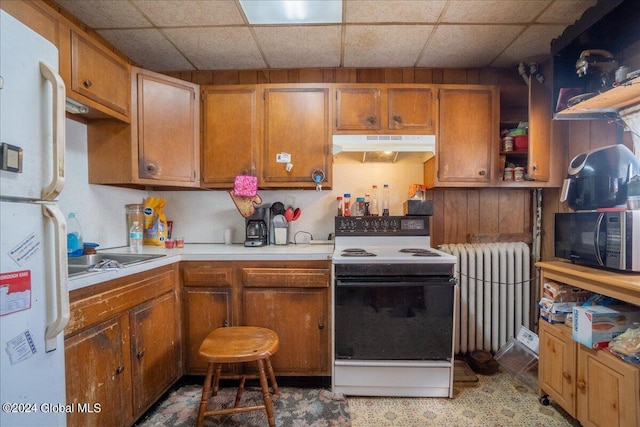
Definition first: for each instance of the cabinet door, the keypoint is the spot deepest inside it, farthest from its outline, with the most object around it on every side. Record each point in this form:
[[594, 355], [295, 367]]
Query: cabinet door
[[155, 349], [299, 317], [467, 134], [608, 390], [167, 129], [296, 123], [98, 371], [539, 131], [205, 309], [557, 365], [411, 109], [231, 134], [358, 108], [99, 75]]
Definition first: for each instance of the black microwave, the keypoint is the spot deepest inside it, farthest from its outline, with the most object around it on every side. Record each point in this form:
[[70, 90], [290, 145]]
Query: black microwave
[[600, 239]]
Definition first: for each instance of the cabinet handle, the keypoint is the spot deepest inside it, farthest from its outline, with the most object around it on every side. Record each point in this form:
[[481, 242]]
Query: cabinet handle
[[482, 172], [535, 167], [397, 119], [151, 168], [87, 83], [321, 325], [119, 370], [371, 119], [226, 323], [581, 384], [566, 376], [140, 354]]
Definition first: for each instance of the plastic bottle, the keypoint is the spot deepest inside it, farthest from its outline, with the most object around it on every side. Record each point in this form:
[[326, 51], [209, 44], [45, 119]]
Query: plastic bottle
[[385, 200], [373, 208], [340, 206], [347, 204], [359, 206], [135, 237], [75, 244], [367, 204]]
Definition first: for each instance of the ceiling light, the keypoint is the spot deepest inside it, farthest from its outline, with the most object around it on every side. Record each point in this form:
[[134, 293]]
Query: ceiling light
[[292, 11]]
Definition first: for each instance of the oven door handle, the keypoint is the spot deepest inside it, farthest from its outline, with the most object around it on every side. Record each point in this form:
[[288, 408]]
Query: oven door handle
[[364, 282]]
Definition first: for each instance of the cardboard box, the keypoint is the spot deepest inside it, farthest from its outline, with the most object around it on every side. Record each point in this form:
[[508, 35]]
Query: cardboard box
[[594, 326]]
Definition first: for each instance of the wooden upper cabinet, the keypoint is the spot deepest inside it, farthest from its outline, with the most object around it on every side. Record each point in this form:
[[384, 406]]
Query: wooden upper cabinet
[[467, 136], [411, 108], [540, 116], [358, 108], [160, 148], [380, 109], [167, 129], [231, 134], [296, 126], [99, 75]]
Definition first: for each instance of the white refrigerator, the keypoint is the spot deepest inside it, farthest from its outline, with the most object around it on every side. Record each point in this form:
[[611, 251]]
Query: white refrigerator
[[34, 300]]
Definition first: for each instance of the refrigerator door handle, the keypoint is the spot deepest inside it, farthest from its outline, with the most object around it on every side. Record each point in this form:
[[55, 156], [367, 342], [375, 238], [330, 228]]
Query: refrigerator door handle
[[61, 289], [59, 92]]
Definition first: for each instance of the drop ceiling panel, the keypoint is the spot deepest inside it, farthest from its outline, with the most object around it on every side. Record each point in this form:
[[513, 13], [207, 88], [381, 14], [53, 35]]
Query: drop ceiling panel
[[190, 13], [217, 48], [565, 11], [475, 45], [375, 46], [493, 11], [106, 13], [359, 11], [148, 47], [535, 41], [300, 46]]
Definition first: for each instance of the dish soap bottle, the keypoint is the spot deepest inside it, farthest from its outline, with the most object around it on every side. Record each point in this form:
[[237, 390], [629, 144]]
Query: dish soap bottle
[[75, 245], [135, 238]]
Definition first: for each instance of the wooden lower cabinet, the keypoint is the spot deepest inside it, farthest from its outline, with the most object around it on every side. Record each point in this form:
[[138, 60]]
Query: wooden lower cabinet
[[608, 390], [123, 346], [208, 304], [290, 297], [557, 365], [155, 349], [294, 302], [98, 370]]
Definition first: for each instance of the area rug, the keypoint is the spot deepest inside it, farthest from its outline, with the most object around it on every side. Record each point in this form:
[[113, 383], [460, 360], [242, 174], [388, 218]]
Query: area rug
[[293, 407]]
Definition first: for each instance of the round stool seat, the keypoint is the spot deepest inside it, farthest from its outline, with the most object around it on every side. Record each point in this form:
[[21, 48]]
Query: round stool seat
[[239, 344]]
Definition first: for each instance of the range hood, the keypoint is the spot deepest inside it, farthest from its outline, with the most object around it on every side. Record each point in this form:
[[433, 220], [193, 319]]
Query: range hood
[[384, 148]]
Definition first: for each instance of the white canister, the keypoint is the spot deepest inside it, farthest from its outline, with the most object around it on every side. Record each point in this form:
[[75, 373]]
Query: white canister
[[518, 174], [508, 174]]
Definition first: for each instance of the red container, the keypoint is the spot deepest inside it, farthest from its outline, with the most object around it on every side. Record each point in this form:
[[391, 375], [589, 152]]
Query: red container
[[520, 142]]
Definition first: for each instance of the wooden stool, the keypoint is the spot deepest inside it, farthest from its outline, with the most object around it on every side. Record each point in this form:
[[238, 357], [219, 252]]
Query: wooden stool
[[234, 345]]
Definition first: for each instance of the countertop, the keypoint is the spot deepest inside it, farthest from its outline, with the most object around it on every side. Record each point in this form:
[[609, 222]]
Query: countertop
[[204, 252]]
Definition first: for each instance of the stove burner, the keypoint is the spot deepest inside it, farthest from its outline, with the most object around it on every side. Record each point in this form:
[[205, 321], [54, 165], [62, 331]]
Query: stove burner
[[356, 252], [418, 252]]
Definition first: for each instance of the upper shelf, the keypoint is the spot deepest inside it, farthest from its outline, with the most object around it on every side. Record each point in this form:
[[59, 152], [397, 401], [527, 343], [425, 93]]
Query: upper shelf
[[605, 104]]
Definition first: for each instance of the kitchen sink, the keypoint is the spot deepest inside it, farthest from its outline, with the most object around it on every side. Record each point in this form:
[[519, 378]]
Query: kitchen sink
[[79, 265]]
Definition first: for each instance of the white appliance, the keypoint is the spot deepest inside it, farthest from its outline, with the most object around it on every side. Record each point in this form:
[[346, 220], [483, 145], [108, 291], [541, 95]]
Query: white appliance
[[393, 309], [34, 301]]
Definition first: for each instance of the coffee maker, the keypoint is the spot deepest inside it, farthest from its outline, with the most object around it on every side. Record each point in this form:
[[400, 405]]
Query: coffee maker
[[257, 227]]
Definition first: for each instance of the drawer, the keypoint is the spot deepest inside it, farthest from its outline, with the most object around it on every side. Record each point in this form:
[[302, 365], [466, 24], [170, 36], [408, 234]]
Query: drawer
[[286, 277]]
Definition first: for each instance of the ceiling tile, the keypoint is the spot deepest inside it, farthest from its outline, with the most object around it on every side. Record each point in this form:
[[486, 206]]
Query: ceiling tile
[[396, 11], [533, 44], [105, 13], [217, 48], [375, 46], [493, 11], [180, 13], [147, 47], [565, 11], [475, 45], [300, 46]]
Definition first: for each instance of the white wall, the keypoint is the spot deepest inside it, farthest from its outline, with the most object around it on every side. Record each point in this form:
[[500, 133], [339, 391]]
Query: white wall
[[201, 216]]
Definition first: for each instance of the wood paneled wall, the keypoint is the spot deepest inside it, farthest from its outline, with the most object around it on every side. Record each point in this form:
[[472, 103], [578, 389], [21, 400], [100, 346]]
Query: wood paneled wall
[[494, 76]]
